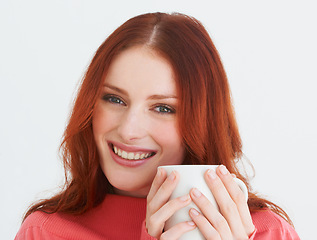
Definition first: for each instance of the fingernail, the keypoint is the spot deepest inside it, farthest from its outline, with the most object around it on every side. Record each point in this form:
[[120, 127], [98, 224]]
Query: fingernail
[[196, 193], [223, 169], [172, 176], [211, 174], [191, 223], [184, 198], [158, 172], [194, 212]]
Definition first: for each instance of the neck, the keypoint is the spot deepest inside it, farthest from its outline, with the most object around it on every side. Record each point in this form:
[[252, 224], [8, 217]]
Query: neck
[[137, 194]]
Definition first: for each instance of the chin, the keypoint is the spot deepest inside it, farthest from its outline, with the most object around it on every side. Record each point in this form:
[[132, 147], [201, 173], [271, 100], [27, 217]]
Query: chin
[[128, 184], [131, 191]]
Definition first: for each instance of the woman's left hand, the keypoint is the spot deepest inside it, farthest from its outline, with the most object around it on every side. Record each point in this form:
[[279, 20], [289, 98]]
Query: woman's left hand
[[234, 220]]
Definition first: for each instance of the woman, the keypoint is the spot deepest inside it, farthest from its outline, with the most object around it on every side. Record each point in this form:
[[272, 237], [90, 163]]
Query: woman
[[155, 93]]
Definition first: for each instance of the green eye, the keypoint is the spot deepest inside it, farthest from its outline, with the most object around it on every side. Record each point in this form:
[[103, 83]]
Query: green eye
[[164, 109], [113, 99]]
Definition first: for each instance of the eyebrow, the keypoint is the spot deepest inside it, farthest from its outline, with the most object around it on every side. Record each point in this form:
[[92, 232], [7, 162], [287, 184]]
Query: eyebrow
[[116, 89], [152, 97], [158, 97]]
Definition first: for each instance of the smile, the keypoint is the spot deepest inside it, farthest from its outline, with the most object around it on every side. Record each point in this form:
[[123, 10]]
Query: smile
[[131, 155]]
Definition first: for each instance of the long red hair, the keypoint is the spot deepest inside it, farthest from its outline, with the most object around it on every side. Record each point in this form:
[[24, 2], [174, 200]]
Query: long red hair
[[205, 113]]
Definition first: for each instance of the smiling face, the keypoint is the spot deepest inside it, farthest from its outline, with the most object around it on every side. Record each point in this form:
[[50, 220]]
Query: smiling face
[[134, 124]]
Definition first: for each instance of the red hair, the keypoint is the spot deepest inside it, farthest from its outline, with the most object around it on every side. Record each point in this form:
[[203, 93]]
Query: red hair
[[205, 114]]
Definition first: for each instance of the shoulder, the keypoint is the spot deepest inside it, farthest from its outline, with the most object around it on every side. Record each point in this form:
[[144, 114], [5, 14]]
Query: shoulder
[[32, 227], [269, 225], [55, 226]]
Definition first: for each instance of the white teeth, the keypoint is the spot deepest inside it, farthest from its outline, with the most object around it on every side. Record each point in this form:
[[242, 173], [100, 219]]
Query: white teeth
[[124, 154], [130, 155]]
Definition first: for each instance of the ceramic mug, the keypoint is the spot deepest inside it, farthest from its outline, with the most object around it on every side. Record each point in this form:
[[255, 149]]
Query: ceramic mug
[[192, 176]]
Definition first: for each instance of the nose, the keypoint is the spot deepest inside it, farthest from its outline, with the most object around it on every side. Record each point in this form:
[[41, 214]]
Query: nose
[[132, 125]]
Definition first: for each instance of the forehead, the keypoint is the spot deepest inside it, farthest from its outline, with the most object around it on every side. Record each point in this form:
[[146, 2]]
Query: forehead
[[143, 68]]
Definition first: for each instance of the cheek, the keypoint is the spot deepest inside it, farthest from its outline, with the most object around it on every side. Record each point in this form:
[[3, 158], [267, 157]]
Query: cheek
[[168, 137], [102, 122], [100, 126]]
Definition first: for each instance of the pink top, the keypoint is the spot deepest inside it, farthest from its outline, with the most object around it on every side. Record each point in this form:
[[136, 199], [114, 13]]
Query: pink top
[[119, 217]]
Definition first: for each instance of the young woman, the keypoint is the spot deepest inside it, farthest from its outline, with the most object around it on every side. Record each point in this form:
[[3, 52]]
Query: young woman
[[155, 93]]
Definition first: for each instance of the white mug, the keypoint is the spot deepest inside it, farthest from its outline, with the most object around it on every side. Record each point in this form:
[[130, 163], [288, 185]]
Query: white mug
[[192, 176]]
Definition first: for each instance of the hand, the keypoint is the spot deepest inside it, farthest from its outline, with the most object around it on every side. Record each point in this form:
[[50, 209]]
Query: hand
[[159, 208], [234, 220]]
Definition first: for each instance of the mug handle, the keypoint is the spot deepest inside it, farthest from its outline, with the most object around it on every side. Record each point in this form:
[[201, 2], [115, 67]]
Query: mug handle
[[243, 187]]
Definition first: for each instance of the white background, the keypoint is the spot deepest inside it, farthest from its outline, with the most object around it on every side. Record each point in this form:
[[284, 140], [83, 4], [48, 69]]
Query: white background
[[269, 52]]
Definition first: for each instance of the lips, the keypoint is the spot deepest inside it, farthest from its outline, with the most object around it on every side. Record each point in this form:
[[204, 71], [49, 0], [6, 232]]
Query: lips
[[130, 155]]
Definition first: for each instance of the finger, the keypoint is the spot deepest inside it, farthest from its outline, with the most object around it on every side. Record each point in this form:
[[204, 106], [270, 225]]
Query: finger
[[156, 184], [226, 205], [204, 225], [164, 192], [238, 197], [157, 220], [178, 230], [154, 224], [167, 210], [211, 213], [232, 187]]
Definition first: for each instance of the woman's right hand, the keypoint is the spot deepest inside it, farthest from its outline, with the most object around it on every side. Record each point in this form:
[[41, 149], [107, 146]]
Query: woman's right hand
[[160, 209]]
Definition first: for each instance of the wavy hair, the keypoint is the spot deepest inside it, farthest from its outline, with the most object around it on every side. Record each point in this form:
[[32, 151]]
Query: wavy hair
[[206, 117]]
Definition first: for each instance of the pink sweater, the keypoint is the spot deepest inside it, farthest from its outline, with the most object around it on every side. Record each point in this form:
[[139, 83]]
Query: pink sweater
[[119, 217]]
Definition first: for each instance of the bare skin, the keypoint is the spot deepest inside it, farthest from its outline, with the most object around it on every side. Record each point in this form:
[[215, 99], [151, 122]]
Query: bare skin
[[232, 222]]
